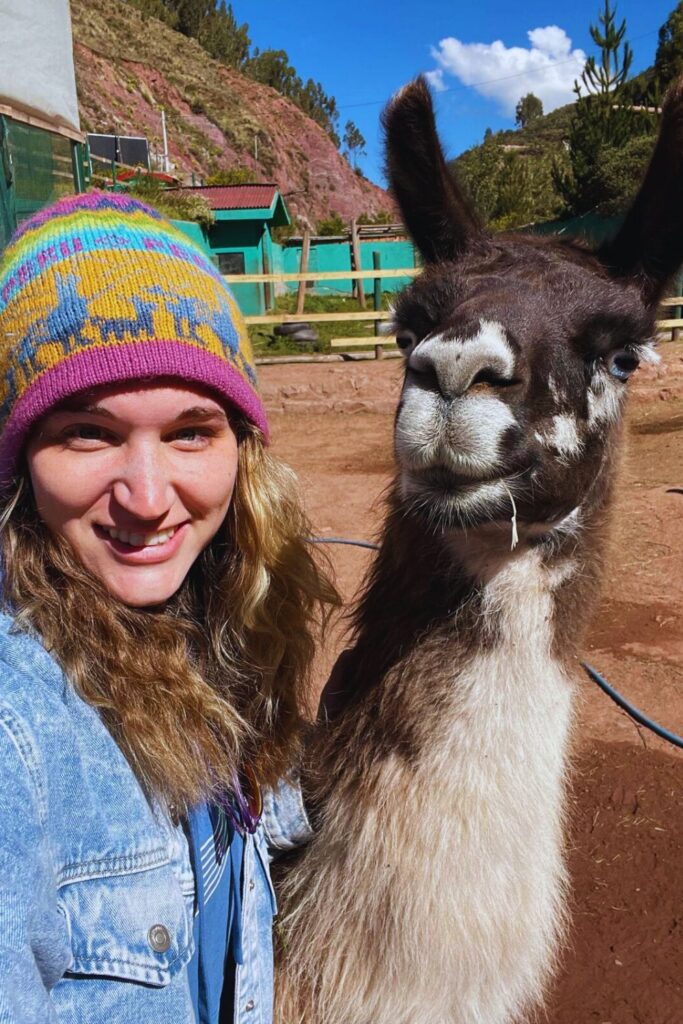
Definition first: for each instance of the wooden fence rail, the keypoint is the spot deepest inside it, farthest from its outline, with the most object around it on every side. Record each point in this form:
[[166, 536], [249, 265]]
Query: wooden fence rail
[[316, 318], [320, 275], [675, 323]]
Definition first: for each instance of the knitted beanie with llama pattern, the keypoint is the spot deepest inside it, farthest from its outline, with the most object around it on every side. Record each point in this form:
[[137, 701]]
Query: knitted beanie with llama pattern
[[99, 289]]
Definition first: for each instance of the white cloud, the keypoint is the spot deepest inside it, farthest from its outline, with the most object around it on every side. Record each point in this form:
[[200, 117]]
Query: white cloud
[[548, 68], [435, 79]]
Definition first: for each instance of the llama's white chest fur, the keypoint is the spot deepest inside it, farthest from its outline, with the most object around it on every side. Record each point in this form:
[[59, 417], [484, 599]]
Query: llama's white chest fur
[[489, 869]]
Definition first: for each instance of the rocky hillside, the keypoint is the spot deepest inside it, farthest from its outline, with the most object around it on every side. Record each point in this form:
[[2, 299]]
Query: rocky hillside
[[129, 65]]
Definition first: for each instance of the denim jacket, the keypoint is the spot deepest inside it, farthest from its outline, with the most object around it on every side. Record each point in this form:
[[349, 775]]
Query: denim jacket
[[96, 886]]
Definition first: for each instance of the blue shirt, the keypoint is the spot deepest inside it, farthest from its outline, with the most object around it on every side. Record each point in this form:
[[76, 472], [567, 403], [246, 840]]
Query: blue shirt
[[216, 849]]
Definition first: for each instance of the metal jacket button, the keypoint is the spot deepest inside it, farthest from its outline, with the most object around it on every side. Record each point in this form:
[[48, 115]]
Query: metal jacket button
[[249, 1005], [159, 938]]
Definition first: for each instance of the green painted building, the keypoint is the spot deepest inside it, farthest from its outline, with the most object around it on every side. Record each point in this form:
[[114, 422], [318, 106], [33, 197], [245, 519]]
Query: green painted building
[[333, 253], [240, 240]]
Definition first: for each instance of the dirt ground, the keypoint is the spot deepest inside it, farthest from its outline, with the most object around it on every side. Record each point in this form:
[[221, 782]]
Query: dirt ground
[[624, 959]]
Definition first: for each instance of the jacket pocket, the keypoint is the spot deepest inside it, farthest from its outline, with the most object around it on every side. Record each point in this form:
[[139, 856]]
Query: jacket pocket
[[133, 926]]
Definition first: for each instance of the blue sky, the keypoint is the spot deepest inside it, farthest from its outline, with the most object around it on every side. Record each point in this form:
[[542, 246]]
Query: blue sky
[[362, 52]]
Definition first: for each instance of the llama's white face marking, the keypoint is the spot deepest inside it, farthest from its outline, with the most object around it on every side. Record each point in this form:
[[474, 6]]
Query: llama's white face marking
[[464, 438], [454, 428], [558, 393], [605, 398], [562, 436], [456, 364]]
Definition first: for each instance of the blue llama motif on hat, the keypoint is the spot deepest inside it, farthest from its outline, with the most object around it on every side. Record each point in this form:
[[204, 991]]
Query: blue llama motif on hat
[[120, 326], [65, 323], [189, 312]]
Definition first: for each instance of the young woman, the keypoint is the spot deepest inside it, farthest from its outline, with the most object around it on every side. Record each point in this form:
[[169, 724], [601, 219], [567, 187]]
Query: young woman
[[158, 607]]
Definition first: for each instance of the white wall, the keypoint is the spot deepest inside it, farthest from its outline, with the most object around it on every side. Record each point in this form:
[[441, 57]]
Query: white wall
[[36, 60]]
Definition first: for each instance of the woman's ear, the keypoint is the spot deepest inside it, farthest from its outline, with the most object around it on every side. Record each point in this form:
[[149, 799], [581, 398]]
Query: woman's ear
[[434, 209], [649, 245]]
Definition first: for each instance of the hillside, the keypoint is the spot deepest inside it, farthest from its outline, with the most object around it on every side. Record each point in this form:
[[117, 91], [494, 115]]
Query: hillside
[[509, 176], [128, 65], [542, 137]]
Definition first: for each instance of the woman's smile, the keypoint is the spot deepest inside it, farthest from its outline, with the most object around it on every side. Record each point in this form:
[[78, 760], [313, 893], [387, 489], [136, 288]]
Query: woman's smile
[[142, 547]]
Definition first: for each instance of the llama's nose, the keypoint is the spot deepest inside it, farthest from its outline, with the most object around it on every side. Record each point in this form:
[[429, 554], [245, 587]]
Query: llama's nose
[[453, 367]]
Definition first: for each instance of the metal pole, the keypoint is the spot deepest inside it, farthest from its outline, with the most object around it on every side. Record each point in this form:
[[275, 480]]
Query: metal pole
[[165, 139], [76, 166]]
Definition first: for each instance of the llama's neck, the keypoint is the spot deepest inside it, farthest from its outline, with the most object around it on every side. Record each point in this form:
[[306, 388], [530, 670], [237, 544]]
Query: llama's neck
[[489, 678], [469, 592]]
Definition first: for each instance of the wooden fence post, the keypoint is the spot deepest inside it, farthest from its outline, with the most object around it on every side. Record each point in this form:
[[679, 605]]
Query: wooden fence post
[[303, 267], [356, 264], [267, 289], [377, 296], [677, 311]]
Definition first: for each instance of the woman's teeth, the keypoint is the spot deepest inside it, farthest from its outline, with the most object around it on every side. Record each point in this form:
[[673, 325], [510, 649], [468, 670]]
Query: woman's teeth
[[140, 540]]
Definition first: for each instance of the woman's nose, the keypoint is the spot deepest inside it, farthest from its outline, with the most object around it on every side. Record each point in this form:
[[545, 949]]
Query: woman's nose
[[143, 486]]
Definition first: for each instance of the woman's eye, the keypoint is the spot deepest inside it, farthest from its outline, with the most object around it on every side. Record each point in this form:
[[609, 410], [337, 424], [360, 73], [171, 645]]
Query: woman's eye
[[622, 363], [191, 436], [85, 432]]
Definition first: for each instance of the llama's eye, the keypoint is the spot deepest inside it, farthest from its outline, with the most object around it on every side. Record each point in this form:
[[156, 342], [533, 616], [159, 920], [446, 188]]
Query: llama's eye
[[406, 340], [622, 363]]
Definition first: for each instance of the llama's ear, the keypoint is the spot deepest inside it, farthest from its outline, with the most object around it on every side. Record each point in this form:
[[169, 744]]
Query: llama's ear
[[649, 246], [434, 210]]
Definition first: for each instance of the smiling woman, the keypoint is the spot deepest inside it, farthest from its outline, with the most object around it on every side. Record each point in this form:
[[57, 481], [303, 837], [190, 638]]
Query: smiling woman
[[158, 605], [137, 483]]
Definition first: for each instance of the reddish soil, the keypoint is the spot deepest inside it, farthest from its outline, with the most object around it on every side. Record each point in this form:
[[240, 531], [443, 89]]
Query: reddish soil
[[624, 958]]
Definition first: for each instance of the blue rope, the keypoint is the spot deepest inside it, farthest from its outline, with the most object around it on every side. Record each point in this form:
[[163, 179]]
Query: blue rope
[[635, 714], [343, 540]]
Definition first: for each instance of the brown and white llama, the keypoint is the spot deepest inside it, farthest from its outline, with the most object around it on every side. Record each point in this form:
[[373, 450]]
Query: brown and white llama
[[434, 889]]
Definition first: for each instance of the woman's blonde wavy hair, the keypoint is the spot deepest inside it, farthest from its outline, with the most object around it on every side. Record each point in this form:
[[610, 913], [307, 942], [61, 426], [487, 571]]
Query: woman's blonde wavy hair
[[219, 678]]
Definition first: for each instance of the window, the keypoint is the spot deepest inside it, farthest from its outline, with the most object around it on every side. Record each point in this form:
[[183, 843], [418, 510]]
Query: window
[[231, 262]]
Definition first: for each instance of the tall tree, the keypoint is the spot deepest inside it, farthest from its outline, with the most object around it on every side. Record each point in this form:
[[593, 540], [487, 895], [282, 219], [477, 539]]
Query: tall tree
[[191, 14], [528, 109], [669, 56], [604, 117], [604, 79], [222, 36], [354, 142]]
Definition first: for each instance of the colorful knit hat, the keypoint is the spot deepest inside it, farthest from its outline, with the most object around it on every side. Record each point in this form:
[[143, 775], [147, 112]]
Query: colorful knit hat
[[99, 289]]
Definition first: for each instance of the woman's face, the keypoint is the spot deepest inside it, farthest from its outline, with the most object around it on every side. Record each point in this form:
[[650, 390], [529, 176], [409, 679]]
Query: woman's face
[[137, 479]]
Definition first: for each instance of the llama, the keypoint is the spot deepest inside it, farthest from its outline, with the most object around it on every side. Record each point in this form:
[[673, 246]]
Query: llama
[[434, 890]]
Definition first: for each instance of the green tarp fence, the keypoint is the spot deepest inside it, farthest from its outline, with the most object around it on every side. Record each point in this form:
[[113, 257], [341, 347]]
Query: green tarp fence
[[36, 168]]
